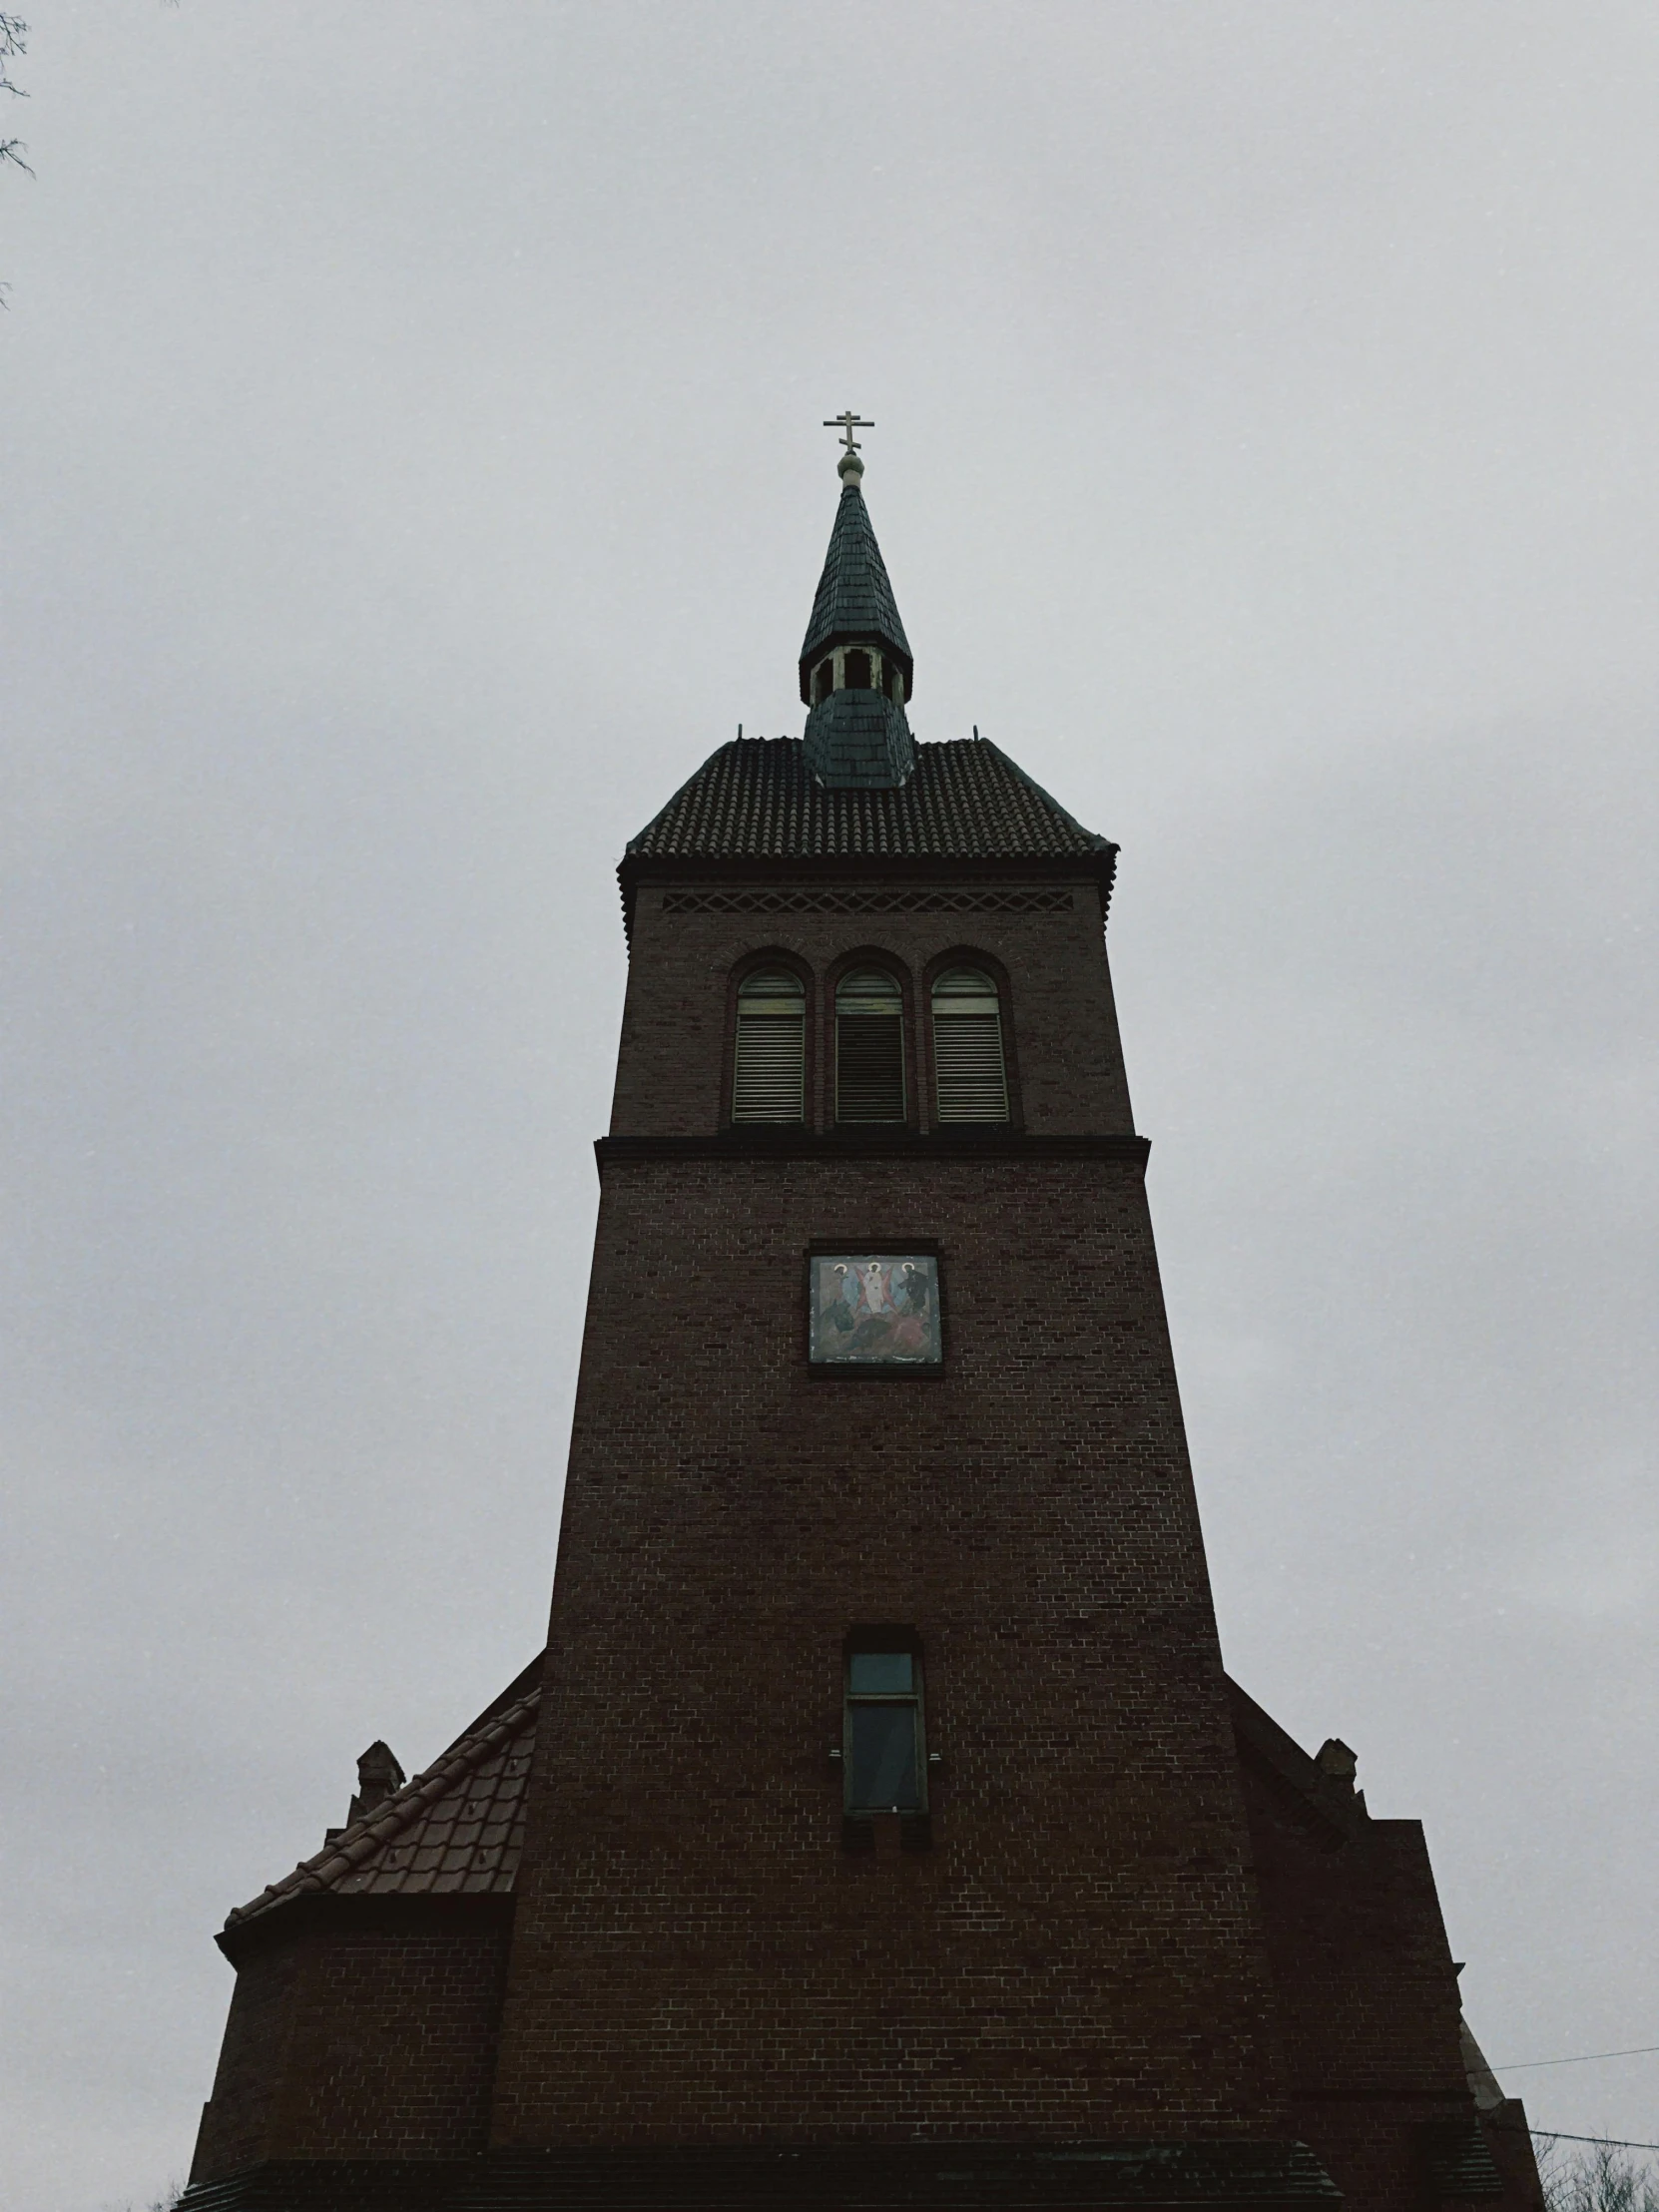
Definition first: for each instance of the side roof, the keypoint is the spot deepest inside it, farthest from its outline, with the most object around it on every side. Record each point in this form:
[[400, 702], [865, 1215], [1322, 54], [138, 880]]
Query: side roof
[[458, 1827], [456, 1830], [755, 798]]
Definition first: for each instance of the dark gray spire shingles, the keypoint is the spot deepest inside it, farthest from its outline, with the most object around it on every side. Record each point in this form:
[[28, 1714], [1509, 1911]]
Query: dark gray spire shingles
[[855, 598]]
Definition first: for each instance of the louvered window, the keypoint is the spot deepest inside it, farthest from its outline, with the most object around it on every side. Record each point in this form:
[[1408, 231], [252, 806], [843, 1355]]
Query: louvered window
[[967, 1048], [869, 1047], [769, 1080]]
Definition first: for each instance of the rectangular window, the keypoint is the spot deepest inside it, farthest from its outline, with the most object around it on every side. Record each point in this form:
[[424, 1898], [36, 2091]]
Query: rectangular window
[[885, 1762]]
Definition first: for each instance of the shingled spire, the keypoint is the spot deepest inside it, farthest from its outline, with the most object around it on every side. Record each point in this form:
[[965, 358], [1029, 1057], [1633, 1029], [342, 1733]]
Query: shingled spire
[[855, 666]]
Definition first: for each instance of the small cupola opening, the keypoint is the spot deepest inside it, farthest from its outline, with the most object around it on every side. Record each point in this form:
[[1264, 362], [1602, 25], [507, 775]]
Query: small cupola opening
[[856, 664]]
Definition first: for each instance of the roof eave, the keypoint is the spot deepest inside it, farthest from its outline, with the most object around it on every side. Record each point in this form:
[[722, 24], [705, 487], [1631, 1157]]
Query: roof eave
[[1098, 865]]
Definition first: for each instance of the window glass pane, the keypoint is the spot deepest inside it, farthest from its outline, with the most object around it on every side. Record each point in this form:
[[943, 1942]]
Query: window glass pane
[[884, 1757], [770, 991], [869, 991], [882, 1674]]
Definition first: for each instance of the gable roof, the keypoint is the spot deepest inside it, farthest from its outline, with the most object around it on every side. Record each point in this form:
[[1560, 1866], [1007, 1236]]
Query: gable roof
[[456, 1830], [756, 799], [855, 598], [1318, 1796]]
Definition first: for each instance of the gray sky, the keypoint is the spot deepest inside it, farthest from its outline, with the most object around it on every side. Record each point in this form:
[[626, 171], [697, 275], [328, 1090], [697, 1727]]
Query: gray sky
[[412, 470]]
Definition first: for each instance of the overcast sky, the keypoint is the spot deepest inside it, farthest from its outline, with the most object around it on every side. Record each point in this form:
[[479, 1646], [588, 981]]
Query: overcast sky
[[411, 470]]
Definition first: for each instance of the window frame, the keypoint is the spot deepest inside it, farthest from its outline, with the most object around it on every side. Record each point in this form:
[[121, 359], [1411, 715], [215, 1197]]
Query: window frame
[[897, 972], [974, 957], [754, 963], [941, 976], [861, 1643]]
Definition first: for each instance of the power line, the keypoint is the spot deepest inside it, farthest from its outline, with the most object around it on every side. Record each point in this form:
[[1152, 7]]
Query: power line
[[1557, 2135], [1521, 2065]]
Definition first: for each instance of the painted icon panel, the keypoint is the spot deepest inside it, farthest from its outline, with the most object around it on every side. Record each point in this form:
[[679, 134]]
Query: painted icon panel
[[875, 1309]]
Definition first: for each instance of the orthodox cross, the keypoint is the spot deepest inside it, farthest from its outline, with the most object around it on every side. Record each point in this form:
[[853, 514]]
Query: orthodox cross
[[847, 423]]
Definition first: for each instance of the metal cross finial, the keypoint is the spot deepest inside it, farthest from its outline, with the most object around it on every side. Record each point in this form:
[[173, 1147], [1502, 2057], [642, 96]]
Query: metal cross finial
[[847, 423]]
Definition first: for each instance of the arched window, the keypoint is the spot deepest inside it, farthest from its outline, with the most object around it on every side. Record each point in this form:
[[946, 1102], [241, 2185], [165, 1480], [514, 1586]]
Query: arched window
[[971, 1080], [869, 1047], [769, 1073], [824, 679], [857, 672]]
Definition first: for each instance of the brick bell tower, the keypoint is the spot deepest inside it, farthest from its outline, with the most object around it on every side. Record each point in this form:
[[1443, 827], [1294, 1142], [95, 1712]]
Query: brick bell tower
[[879, 1828]]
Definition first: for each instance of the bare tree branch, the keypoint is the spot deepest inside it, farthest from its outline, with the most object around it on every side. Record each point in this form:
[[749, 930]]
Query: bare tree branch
[[1598, 2177], [14, 40]]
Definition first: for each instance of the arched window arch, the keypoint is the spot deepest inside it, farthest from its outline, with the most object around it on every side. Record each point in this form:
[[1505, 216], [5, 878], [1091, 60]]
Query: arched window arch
[[769, 1064], [869, 1046], [858, 676], [970, 1075]]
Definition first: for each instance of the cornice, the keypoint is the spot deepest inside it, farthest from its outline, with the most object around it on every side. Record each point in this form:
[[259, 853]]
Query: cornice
[[898, 1144]]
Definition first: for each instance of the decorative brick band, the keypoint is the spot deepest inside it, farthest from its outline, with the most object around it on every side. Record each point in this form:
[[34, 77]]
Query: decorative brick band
[[867, 903]]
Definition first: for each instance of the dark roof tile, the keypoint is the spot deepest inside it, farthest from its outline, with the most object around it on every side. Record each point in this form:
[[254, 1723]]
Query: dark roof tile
[[756, 799], [428, 1837]]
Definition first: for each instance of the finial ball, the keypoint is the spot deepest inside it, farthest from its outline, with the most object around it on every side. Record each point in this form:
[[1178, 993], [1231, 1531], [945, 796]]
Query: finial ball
[[850, 468]]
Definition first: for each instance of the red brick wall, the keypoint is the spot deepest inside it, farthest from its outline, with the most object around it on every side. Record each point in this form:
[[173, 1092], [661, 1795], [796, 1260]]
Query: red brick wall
[[672, 1074], [697, 1957], [1366, 1987], [238, 2122], [376, 2044]]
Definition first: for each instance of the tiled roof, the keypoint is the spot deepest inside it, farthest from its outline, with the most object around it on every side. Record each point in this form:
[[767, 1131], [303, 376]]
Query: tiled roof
[[1323, 1795], [855, 598], [756, 799], [456, 1829], [1459, 2160]]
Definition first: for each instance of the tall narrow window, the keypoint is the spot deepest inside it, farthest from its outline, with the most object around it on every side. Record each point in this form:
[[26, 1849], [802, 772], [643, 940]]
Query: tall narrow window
[[971, 1080], [869, 1047], [857, 672], [884, 1761], [769, 1074]]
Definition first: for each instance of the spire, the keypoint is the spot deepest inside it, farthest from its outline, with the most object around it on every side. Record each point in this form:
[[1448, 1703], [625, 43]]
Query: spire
[[855, 665]]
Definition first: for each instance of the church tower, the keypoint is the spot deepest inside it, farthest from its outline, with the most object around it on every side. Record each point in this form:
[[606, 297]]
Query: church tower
[[879, 1828]]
